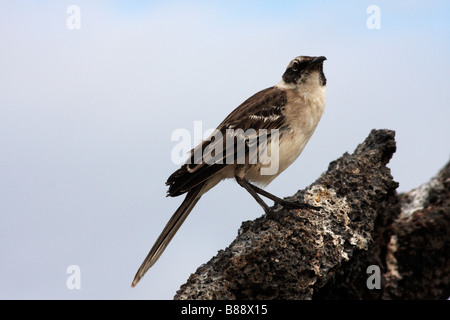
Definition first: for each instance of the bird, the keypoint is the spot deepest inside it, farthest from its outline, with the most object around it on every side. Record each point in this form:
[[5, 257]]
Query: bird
[[284, 115]]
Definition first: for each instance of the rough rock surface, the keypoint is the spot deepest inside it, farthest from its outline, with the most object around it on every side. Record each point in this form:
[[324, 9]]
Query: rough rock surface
[[419, 251], [308, 254]]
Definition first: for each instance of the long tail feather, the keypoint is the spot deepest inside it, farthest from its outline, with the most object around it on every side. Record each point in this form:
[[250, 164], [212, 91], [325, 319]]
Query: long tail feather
[[169, 231]]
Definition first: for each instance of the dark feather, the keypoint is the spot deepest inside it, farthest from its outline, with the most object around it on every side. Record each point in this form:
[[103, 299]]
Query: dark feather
[[169, 231], [268, 103]]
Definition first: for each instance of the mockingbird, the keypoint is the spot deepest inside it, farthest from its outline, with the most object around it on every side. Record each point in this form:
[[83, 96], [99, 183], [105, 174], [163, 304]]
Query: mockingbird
[[278, 121]]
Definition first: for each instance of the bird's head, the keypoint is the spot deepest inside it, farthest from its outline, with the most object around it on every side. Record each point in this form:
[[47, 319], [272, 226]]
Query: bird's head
[[304, 70]]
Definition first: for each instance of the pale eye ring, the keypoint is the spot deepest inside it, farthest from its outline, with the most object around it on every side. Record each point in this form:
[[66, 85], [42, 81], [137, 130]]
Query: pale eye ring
[[295, 66]]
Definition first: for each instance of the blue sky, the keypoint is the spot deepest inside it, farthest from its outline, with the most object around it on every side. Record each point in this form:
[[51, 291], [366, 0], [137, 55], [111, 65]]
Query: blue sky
[[86, 118]]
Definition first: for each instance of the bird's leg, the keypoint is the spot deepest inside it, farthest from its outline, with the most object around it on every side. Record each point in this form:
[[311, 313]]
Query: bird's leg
[[284, 203], [247, 186]]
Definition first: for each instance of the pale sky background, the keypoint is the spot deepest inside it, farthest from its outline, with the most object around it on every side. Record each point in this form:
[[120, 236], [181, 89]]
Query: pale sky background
[[86, 118]]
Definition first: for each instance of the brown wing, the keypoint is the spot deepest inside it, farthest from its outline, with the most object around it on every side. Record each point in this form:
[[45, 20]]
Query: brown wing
[[263, 110]]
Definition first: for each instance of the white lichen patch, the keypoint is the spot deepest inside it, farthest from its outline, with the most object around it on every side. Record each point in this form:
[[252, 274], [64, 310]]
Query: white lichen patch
[[417, 199], [327, 198]]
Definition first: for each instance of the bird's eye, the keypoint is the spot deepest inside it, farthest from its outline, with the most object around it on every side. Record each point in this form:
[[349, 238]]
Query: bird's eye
[[295, 66]]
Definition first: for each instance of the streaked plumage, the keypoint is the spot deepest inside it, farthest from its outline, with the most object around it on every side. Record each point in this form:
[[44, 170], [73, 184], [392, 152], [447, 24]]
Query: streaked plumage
[[293, 107]]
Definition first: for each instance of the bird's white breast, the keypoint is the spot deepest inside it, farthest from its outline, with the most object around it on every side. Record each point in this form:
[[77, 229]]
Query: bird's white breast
[[303, 112]]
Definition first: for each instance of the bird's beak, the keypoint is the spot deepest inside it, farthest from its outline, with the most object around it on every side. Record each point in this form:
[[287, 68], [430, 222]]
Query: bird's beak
[[317, 60]]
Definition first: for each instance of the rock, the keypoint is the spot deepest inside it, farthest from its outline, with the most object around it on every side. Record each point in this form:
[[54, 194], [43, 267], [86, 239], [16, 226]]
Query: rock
[[308, 254]]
